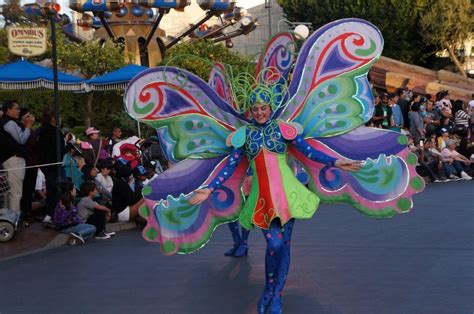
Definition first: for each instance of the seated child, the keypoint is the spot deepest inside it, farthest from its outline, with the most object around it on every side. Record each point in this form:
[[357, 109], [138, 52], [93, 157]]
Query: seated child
[[92, 212], [66, 218]]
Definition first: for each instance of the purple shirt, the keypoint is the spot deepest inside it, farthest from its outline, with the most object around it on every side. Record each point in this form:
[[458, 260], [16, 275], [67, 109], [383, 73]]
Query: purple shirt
[[64, 217]]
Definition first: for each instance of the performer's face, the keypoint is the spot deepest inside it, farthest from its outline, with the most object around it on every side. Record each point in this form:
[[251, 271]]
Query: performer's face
[[261, 113]]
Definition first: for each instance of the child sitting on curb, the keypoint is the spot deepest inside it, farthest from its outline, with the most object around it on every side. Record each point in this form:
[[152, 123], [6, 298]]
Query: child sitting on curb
[[93, 213], [66, 217]]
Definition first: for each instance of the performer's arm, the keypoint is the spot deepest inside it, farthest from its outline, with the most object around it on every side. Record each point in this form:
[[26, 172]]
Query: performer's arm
[[202, 194], [225, 173], [315, 155]]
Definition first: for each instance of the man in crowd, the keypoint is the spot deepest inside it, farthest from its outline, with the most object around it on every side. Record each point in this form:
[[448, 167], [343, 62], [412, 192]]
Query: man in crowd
[[397, 116], [404, 104], [432, 119], [47, 144], [383, 113], [114, 139]]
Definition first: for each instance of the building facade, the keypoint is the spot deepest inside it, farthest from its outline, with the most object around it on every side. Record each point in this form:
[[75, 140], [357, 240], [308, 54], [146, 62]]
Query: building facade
[[253, 43]]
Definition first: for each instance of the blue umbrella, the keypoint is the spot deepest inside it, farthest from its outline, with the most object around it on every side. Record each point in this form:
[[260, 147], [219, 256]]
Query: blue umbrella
[[25, 75], [117, 79]]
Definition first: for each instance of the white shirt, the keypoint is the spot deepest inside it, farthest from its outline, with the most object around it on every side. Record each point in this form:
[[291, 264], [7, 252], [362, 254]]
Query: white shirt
[[106, 182]]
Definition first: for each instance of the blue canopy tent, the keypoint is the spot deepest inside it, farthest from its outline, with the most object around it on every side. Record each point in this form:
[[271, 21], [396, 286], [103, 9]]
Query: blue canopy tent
[[114, 80], [24, 75]]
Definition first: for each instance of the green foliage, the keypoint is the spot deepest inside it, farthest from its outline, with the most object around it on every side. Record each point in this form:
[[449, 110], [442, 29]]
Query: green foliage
[[37, 99], [448, 21], [90, 58], [5, 55], [448, 25], [198, 57], [11, 12], [398, 20]]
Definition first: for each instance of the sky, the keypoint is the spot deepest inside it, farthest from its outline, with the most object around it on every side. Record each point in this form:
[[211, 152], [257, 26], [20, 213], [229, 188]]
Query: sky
[[65, 3], [249, 3]]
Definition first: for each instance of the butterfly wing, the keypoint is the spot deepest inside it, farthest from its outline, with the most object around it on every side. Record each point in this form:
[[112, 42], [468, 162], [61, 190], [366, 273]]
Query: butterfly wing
[[383, 186], [191, 118], [193, 122], [277, 59], [219, 82], [183, 228], [329, 91]]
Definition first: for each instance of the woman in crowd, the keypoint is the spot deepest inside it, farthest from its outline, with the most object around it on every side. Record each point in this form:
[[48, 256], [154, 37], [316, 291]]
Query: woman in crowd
[[104, 176], [12, 150], [455, 164]]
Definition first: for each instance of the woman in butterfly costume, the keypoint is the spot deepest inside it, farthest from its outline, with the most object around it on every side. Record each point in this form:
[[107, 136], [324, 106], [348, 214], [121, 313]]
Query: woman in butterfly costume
[[317, 120]]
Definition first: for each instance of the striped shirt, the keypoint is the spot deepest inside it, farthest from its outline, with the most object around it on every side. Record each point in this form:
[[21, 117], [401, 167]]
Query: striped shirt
[[461, 118]]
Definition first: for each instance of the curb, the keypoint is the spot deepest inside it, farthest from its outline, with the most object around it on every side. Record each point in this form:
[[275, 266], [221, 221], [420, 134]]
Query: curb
[[61, 239]]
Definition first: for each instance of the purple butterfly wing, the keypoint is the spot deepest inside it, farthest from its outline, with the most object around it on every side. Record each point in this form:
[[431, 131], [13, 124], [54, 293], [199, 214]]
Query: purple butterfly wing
[[383, 186], [183, 228]]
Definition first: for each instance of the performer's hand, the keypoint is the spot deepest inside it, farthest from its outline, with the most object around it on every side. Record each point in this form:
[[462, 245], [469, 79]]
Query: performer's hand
[[200, 196], [348, 165]]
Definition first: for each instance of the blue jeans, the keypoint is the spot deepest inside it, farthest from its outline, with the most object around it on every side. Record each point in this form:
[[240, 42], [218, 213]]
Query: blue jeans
[[86, 231], [455, 168]]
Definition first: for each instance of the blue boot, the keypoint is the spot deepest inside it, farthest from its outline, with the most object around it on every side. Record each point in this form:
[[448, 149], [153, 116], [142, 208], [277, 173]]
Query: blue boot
[[234, 230], [230, 252], [275, 306], [242, 250], [264, 302]]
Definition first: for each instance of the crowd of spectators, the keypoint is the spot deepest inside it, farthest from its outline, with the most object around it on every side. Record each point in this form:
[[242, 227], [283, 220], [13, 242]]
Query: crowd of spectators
[[98, 180], [439, 131]]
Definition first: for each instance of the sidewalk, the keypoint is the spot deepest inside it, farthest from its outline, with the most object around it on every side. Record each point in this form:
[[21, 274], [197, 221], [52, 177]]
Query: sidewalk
[[37, 238]]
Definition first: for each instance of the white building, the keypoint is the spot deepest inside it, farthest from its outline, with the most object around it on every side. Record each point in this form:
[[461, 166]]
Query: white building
[[253, 43]]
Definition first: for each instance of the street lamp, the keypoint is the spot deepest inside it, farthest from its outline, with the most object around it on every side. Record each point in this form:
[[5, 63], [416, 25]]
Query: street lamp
[[52, 9], [279, 22], [269, 7], [301, 31], [301, 28]]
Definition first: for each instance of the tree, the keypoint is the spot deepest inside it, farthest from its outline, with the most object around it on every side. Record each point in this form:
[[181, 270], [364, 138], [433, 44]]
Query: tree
[[398, 20], [12, 12], [198, 57], [90, 59], [448, 24], [5, 54]]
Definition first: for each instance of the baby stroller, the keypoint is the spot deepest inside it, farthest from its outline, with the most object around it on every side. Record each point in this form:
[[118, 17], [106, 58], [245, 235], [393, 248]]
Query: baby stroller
[[8, 218]]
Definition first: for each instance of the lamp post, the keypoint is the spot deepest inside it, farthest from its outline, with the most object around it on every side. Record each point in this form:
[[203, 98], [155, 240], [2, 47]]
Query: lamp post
[[52, 9], [282, 20], [269, 7]]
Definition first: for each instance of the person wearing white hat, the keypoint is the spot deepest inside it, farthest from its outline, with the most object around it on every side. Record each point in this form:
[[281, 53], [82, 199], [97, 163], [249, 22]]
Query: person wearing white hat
[[91, 147]]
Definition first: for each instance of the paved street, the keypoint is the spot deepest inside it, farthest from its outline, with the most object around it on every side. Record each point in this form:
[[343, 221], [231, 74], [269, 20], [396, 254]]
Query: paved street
[[342, 262]]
